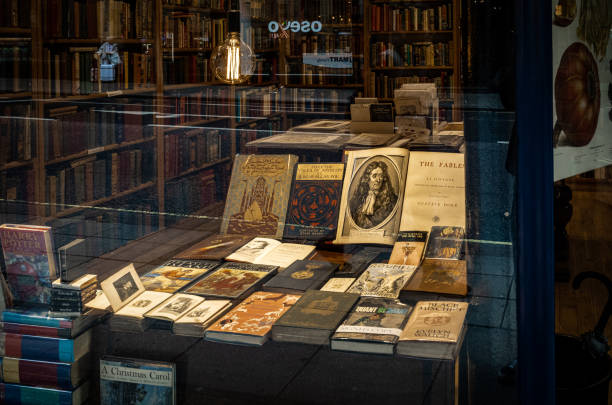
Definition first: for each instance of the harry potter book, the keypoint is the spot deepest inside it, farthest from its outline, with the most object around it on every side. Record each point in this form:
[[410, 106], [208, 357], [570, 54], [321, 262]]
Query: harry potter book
[[314, 318], [44, 348], [176, 274], [445, 242], [215, 247], [314, 203], [232, 280], [373, 326], [19, 394], [271, 252], [249, 323], [408, 248], [382, 280], [302, 275], [30, 262], [195, 322], [435, 330], [440, 276], [372, 196], [258, 193], [136, 382], [57, 375]]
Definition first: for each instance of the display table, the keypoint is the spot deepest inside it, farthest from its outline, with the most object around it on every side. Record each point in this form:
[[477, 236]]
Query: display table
[[283, 372]]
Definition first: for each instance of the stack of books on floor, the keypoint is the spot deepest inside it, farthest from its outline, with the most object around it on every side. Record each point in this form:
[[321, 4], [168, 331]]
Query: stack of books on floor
[[45, 359], [69, 299]]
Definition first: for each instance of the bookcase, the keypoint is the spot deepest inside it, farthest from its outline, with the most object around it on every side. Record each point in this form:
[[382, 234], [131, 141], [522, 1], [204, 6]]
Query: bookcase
[[155, 142]]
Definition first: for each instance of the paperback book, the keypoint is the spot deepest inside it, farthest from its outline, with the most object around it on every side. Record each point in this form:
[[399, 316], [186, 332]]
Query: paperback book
[[174, 307], [408, 248], [338, 284], [440, 276], [176, 274], [131, 317], [445, 242]]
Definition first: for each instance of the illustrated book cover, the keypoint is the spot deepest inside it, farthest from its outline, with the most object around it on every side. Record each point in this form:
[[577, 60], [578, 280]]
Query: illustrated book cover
[[408, 248], [300, 276], [195, 322], [122, 287], [445, 242], [351, 264], [334, 126], [440, 276], [435, 191], [271, 252], [382, 280], [314, 317], [175, 274], [214, 247], [373, 326], [435, 329], [256, 202], [314, 202], [30, 262], [250, 321], [338, 284], [372, 196], [232, 280], [136, 382]]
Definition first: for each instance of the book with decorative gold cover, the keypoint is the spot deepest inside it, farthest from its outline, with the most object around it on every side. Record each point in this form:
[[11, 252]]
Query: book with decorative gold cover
[[314, 203], [258, 193], [250, 321]]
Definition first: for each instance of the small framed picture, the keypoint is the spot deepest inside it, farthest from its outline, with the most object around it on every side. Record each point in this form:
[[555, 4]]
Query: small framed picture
[[122, 287]]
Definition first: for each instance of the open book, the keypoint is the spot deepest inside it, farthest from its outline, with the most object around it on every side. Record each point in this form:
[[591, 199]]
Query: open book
[[271, 252]]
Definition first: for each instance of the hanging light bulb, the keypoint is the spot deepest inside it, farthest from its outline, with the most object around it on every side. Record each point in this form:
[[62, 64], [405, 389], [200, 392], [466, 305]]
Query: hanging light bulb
[[233, 60]]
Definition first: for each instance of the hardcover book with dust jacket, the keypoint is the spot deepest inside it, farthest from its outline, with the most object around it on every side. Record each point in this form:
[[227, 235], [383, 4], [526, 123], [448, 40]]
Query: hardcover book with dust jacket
[[136, 382], [258, 193], [314, 203], [373, 326]]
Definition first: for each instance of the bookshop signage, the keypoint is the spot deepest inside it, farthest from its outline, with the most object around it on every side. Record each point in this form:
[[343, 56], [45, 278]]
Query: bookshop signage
[[338, 60], [295, 26]]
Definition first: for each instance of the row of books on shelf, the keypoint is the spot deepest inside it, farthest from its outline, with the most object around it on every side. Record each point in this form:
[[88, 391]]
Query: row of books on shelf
[[77, 72], [16, 14], [332, 43], [179, 69], [193, 148], [258, 9], [214, 4], [388, 17], [182, 29], [327, 12], [257, 130], [190, 194], [16, 189], [98, 176], [257, 37], [112, 19], [211, 102], [384, 85], [319, 100], [15, 69], [265, 71], [305, 74], [256, 102], [73, 129], [427, 53], [16, 141]]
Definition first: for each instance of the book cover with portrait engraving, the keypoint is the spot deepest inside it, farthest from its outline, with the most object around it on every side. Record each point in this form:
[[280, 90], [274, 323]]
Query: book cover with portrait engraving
[[302, 275], [258, 193], [314, 202]]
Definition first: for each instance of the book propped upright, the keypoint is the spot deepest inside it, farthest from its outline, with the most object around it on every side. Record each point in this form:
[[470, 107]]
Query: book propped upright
[[314, 203], [256, 202], [373, 326], [271, 252], [435, 330], [408, 248]]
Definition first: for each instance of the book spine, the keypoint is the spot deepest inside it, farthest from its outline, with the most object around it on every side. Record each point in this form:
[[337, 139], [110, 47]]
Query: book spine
[[15, 317], [37, 373], [15, 394], [38, 348], [33, 330]]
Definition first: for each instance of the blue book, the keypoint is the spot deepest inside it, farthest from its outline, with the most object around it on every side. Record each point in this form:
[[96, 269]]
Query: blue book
[[16, 394], [136, 382], [44, 348], [39, 316]]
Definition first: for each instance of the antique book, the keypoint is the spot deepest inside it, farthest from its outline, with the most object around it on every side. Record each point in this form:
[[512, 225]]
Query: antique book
[[435, 191], [176, 274], [382, 280], [131, 317], [215, 247], [49, 374], [361, 258], [138, 382], [314, 317], [24, 394], [314, 202], [249, 322], [338, 284], [44, 348], [372, 195], [435, 330], [232, 280], [195, 322], [440, 276], [122, 287], [30, 262], [300, 276], [445, 242], [256, 202], [373, 326], [334, 126], [271, 252], [408, 248], [174, 307]]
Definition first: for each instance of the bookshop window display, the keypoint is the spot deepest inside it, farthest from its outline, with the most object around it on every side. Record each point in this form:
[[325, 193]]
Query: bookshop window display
[[258, 200]]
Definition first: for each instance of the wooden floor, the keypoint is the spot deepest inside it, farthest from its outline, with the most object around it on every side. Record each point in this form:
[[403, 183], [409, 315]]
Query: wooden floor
[[590, 249]]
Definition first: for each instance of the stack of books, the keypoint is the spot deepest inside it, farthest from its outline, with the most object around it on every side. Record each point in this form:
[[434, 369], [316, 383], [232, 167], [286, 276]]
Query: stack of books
[[69, 299], [44, 359]]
